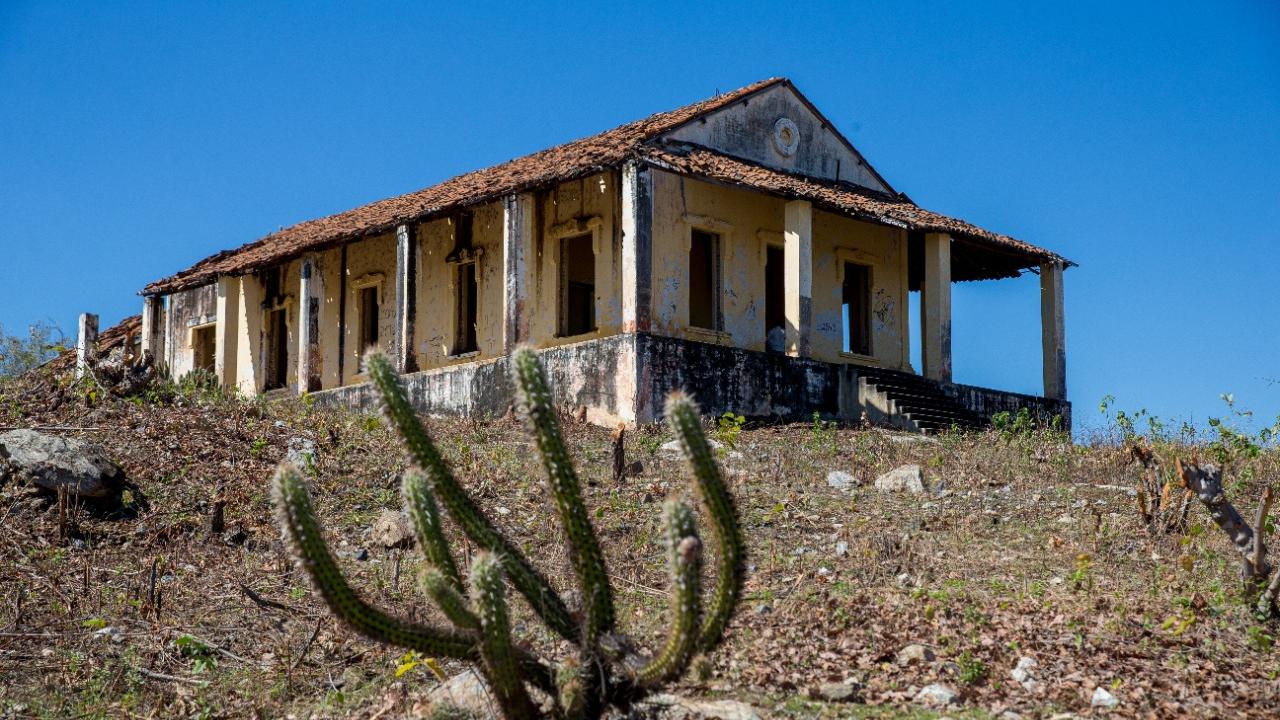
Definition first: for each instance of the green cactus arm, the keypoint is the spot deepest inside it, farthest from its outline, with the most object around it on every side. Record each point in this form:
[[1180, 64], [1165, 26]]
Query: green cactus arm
[[682, 414], [299, 524], [584, 550], [684, 557], [440, 589], [501, 664], [546, 602], [421, 508]]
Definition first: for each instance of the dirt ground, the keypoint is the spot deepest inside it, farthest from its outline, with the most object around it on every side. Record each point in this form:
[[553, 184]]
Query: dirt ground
[[1023, 546]]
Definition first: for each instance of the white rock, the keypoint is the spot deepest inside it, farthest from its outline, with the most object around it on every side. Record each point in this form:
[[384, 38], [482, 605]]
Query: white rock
[[842, 548], [1022, 671], [937, 695], [467, 692], [1103, 699], [704, 709], [908, 478], [915, 653], [839, 479]]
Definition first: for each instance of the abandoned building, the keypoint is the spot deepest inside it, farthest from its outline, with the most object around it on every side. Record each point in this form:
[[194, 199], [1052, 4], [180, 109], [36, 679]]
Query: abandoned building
[[739, 247]]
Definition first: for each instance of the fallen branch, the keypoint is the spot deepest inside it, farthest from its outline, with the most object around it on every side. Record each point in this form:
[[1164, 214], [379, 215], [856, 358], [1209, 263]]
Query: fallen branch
[[1206, 482]]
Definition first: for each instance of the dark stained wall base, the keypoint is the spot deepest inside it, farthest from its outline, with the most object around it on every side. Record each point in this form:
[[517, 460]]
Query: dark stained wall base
[[598, 375]]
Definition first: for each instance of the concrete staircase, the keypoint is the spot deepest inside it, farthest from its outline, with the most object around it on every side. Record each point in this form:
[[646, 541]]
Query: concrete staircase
[[918, 401]]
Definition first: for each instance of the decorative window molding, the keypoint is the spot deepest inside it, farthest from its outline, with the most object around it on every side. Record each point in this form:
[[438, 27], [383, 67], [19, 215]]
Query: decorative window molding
[[368, 280], [768, 238], [858, 257], [461, 256], [579, 226]]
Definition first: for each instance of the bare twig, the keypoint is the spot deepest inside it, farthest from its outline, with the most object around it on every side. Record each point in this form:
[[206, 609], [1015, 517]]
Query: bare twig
[[263, 602], [301, 655]]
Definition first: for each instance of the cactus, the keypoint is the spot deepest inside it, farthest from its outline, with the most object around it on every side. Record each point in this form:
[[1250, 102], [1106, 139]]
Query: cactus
[[606, 672]]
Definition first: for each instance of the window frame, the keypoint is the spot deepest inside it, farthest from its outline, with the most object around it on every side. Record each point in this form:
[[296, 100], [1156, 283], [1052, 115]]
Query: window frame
[[844, 258]]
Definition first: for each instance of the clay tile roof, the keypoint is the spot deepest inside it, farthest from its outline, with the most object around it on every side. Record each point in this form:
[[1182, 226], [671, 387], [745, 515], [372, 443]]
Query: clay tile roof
[[544, 168], [1003, 257]]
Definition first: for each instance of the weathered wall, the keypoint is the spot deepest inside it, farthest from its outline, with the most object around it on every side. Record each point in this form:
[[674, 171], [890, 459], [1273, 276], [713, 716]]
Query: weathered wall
[[746, 129], [837, 240], [370, 263], [586, 206], [186, 310], [747, 222], [437, 305], [581, 374], [987, 402], [754, 384]]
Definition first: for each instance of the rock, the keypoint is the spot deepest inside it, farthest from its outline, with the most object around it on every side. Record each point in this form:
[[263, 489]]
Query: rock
[[300, 452], [915, 653], [673, 446], [839, 479], [467, 692], [673, 706], [1103, 699], [911, 439], [1022, 672], [842, 548], [908, 478], [847, 691], [392, 529], [51, 462], [937, 695], [361, 554]]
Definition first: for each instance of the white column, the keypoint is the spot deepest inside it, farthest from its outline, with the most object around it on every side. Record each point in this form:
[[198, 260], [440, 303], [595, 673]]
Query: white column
[[152, 327], [86, 343], [227, 312], [249, 336], [1053, 331], [935, 307], [310, 299], [517, 281], [798, 283], [405, 354], [637, 247]]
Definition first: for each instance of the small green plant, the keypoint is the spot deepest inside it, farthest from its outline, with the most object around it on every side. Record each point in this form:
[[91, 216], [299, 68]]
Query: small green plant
[[1015, 426], [972, 670], [257, 446], [822, 435], [607, 671], [729, 427], [1260, 639], [201, 655]]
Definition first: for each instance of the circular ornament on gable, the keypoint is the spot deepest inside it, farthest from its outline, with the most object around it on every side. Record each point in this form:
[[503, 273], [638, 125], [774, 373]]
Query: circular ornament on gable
[[786, 136]]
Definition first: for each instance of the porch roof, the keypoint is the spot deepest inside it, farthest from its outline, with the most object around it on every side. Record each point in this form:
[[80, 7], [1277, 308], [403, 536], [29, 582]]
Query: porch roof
[[997, 255]]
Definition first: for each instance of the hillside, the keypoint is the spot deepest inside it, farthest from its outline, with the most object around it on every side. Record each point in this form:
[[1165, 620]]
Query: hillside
[[1023, 546]]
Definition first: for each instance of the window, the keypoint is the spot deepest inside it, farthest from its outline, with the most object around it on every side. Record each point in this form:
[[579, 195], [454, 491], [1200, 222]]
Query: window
[[856, 307], [468, 292], [277, 335], [577, 285], [775, 304], [202, 348], [368, 307], [704, 280]]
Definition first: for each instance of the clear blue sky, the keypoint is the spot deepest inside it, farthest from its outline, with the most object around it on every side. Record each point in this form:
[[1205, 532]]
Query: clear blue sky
[[1140, 139]]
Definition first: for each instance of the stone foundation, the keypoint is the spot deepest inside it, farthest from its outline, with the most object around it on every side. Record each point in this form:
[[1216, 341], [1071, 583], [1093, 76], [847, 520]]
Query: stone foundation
[[626, 378]]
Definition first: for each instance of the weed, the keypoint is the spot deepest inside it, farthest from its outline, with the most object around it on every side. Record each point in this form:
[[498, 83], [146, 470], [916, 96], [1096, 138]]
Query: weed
[[972, 670], [729, 427]]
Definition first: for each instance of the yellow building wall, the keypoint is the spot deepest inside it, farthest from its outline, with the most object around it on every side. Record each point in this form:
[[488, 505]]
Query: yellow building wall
[[435, 324], [586, 206], [747, 222]]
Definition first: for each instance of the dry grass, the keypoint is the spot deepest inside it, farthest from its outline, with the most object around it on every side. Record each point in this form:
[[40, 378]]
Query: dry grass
[[1032, 548]]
